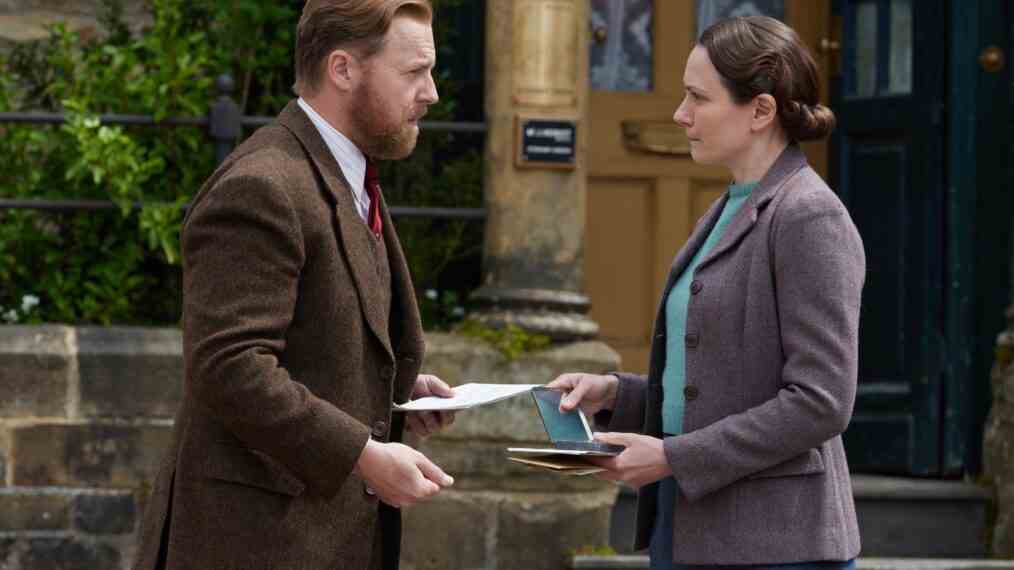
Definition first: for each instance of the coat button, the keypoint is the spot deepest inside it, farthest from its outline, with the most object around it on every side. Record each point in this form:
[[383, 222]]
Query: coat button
[[691, 393], [691, 339], [695, 287], [369, 491], [379, 429]]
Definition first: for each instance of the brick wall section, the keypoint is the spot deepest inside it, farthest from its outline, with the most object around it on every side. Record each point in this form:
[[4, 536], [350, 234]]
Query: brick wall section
[[85, 418]]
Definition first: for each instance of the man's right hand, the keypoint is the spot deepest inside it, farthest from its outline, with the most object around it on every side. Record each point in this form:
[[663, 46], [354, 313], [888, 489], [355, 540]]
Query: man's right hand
[[593, 392], [400, 475]]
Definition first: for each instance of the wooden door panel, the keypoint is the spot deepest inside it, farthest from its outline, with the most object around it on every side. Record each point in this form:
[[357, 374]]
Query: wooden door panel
[[619, 271], [883, 165]]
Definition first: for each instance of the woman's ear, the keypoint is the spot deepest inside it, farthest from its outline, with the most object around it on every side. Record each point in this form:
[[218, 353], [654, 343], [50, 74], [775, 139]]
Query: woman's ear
[[765, 111]]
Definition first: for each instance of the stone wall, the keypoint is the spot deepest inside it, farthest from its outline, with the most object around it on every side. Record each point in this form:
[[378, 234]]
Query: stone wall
[[998, 445], [26, 20], [86, 416]]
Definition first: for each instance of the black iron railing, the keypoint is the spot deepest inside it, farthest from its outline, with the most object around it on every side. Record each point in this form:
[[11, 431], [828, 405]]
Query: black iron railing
[[224, 124]]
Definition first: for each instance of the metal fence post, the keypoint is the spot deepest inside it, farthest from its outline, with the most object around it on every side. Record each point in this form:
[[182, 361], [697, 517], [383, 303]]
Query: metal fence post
[[225, 120]]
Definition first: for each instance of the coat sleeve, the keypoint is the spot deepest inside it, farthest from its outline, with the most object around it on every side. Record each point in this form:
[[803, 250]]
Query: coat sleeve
[[628, 410], [819, 268], [243, 255]]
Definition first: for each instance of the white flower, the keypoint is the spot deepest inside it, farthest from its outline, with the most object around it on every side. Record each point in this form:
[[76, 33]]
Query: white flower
[[11, 316], [28, 302], [431, 294]]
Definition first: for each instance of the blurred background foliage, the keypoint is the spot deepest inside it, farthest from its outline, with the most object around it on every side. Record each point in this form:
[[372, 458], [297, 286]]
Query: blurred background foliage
[[122, 266]]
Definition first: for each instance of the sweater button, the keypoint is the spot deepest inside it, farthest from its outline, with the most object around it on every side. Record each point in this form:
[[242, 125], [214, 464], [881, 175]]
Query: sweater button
[[692, 340], [691, 393], [695, 287]]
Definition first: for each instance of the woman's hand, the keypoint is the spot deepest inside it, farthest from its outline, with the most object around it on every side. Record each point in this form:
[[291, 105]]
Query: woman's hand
[[593, 392], [643, 461]]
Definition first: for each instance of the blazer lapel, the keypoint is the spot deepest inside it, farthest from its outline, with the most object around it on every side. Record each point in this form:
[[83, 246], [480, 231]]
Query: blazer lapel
[[790, 160], [683, 257], [694, 243], [406, 325], [354, 240]]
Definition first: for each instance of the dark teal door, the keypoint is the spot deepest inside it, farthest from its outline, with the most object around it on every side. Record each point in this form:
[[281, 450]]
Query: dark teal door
[[887, 162]]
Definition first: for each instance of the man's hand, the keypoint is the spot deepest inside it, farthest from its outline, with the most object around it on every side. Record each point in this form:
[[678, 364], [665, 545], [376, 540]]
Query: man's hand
[[643, 461], [400, 475], [425, 424], [593, 392]]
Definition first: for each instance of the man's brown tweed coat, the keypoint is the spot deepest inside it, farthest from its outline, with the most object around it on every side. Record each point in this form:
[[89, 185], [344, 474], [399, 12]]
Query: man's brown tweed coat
[[296, 341]]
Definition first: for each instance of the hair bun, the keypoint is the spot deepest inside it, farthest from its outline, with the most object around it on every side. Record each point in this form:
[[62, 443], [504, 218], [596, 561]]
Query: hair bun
[[805, 122]]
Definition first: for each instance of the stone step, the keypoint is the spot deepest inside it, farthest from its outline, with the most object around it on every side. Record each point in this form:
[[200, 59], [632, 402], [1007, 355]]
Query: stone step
[[635, 562], [29, 511], [898, 517], [907, 517]]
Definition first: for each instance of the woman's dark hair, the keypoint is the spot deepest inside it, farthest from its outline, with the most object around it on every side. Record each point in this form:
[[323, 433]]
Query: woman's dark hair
[[758, 54]]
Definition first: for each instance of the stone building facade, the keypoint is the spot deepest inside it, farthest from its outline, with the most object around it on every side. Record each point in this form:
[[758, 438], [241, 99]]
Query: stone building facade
[[27, 20]]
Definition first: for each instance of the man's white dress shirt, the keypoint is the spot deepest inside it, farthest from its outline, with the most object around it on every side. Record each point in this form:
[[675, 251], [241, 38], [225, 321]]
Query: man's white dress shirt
[[350, 159]]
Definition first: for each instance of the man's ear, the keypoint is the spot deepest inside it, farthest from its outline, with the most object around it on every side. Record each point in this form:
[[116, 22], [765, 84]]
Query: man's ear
[[342, 69], [765, 111]]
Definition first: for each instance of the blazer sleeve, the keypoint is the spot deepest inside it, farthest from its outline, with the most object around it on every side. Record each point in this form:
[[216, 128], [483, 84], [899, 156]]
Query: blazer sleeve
[[628, 410], [819, 268], [243, 254]]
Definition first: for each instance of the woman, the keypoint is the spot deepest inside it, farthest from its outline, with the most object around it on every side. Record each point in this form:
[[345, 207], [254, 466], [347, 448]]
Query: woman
[[753, 364]]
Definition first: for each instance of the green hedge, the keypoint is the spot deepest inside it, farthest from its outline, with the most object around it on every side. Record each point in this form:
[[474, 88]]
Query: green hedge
[[122, 266]]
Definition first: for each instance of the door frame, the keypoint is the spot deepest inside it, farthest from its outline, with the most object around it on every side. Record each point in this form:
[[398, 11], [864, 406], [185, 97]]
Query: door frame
[[978, 211]]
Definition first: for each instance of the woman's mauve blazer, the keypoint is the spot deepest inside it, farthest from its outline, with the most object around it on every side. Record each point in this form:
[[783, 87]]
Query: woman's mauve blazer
[[771, 359]]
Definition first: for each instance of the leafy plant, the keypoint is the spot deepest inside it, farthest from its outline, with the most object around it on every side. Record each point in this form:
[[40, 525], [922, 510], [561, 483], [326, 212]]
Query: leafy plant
[[511, 341], [122, 266]]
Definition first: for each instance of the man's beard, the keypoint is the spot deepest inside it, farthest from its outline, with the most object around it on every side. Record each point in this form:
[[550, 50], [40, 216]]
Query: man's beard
[[383, 139]]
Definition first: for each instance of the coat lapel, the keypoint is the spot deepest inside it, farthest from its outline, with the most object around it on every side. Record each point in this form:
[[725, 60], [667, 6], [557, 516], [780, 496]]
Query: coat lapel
[[683, 257], [354, 234], [406, 324], [790, 160]]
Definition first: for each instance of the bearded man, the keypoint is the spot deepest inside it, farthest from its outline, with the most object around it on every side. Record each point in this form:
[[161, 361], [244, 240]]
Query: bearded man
[[300, 323]]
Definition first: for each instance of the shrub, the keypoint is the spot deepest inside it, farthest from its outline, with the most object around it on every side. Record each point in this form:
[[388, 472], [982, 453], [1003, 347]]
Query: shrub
[[122, 266]]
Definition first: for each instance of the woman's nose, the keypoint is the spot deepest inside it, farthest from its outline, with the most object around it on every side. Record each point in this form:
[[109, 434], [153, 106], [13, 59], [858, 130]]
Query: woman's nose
[[681, 117]]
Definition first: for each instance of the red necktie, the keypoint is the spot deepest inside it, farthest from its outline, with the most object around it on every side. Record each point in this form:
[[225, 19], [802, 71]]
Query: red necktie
[[373, 191]]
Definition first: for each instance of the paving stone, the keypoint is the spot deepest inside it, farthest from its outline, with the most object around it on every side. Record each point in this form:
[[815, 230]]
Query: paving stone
[[69, 554], [36, 368], [105, 513], [130, 371], [32, 510], [87, 455]]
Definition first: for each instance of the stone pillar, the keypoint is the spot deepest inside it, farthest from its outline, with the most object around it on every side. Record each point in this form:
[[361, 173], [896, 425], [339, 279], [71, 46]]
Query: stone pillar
[[998, 442], [536, 68]]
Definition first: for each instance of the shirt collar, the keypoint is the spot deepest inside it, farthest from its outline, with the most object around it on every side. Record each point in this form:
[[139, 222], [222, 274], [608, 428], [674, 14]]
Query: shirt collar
[[349, 157]]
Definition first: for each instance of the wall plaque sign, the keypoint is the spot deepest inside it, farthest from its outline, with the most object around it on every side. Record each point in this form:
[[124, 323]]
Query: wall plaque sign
[[545, 143]]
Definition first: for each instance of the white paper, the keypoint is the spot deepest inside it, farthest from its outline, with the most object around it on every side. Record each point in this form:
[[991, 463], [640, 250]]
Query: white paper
[[466, 396]]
